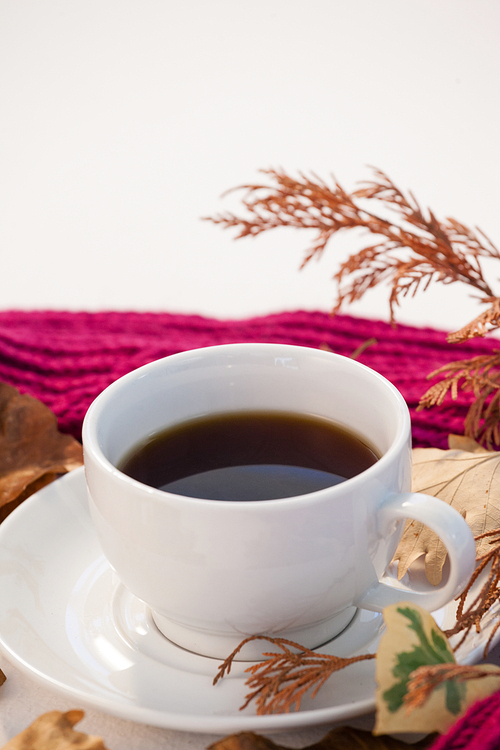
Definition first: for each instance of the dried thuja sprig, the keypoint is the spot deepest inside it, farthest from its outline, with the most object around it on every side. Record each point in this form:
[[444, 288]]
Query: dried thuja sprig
[[469, 617], [481, 375], [408, 252], [425, 680], [278, 684]]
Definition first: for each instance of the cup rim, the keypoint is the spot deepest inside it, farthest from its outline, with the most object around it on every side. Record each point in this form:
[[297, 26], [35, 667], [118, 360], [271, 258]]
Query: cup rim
[[91, 442]]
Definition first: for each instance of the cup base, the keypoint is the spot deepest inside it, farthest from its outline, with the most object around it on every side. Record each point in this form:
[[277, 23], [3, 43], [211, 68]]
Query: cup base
[[221, 645]]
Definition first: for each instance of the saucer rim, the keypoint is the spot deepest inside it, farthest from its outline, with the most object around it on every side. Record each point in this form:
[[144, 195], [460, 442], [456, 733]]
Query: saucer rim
[[205, 723]]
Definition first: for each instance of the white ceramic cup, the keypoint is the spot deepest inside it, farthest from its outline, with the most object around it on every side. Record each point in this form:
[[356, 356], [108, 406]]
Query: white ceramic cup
[[214, 572]]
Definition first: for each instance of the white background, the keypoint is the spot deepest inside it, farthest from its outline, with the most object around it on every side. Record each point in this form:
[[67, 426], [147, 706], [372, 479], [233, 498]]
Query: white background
[[123, 121]]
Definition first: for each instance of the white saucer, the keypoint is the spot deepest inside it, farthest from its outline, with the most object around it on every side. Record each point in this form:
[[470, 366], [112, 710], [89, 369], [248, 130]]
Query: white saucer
[[66, 620]]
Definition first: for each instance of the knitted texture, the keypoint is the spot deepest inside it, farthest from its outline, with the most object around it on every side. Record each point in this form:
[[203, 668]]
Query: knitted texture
[[66, 359], [479, 729]]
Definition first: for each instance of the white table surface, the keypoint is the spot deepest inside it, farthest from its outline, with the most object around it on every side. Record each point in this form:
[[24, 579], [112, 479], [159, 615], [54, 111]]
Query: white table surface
[[122, 123]]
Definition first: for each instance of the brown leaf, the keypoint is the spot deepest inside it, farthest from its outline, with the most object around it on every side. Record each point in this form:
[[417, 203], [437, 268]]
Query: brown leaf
[[32, 450], [54, 731], [466, 477], [341, 738]]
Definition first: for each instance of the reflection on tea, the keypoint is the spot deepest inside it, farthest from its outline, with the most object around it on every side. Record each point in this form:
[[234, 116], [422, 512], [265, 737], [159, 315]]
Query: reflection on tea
[[251, 455]]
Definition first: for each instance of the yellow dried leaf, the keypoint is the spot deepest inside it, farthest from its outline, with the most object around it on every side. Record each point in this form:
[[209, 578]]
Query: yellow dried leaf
[[32, 450], [54, 731], [412, 640], [466, 477], [464, 443]]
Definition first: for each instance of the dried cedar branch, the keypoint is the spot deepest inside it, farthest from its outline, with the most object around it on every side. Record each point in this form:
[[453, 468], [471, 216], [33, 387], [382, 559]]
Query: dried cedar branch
[[424, 680], [470, 617], [488, 321], [481, 375], [408, 253], [279, 683]]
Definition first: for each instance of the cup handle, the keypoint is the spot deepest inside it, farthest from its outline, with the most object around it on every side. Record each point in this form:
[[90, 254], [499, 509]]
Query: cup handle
[[456, 536]]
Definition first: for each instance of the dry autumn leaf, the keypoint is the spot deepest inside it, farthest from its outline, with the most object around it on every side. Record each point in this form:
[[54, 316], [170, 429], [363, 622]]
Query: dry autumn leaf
[[411, 642], [54, 731], [32, 450], [342, 738], [467, 477]]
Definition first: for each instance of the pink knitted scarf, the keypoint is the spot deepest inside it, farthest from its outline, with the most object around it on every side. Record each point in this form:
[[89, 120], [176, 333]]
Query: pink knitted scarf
[[66, 359], [479, 729]]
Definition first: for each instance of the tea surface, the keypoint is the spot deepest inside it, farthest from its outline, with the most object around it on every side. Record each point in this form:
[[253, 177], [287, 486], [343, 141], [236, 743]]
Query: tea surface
[[246, 456]]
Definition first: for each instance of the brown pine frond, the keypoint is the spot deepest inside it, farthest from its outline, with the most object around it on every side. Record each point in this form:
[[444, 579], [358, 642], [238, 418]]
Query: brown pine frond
[[470, 618], [410, 252], [279, 683], [481, 376], [485, 323], [424, 680], [407, 252]]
